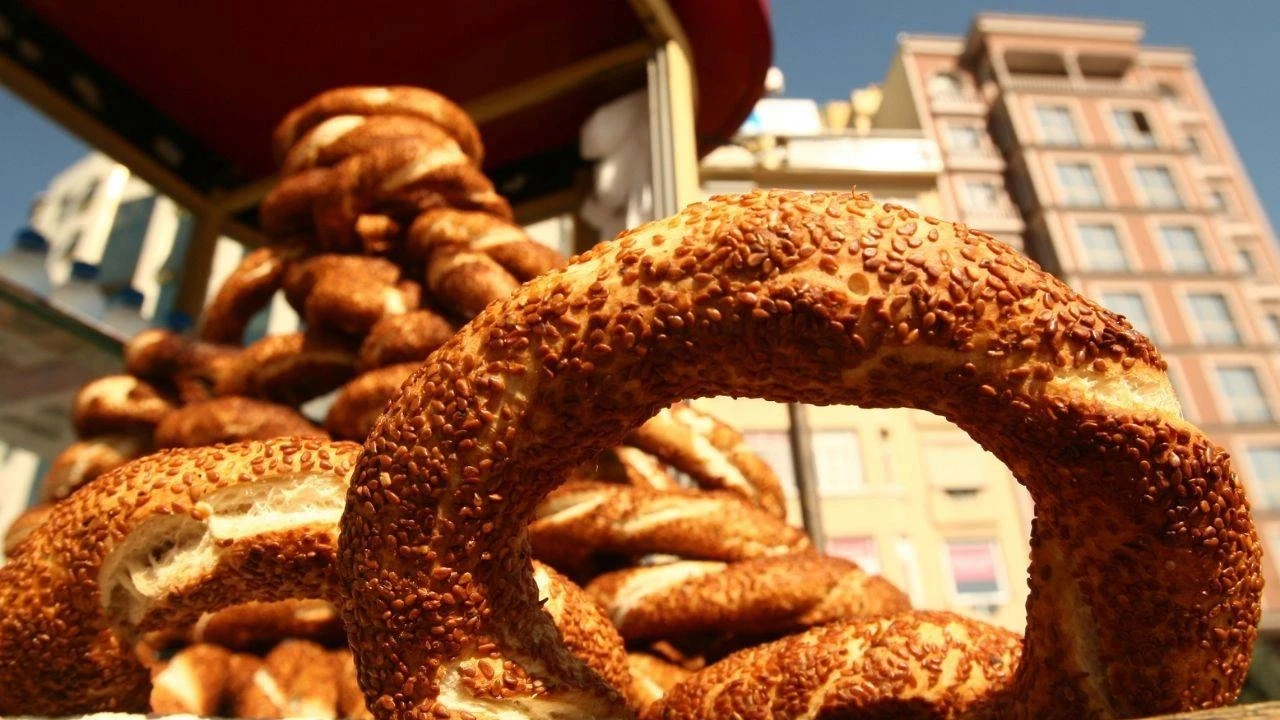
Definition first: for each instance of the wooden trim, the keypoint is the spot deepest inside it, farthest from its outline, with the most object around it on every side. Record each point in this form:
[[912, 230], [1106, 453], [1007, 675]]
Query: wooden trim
[[88, 128], [542, 88]]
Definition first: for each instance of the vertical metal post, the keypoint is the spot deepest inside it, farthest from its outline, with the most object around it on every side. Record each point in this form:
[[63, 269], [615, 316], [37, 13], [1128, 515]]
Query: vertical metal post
[[198, 261], [673, 147], [806, 474]]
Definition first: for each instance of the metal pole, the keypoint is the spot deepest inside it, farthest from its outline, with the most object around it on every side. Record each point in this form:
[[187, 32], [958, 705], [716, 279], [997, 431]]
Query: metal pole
[[806, 475]]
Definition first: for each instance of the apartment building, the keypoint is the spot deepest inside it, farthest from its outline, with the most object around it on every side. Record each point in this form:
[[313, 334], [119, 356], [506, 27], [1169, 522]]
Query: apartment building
[[1125, 184]]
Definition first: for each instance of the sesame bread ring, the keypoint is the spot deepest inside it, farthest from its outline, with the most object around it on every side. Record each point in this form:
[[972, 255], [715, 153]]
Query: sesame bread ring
[[85, 460], [925, 664], [410, 337], [245, 292], [289, 369], [1145, 565], [465, 282], [762, 596], [652, 677], [624, 465], [189, 369], [396, 100], [585, 517], [154, 544], [192, 681], [289, 207], [297, 679], [342, 136], [500, 239], [400, 178], [361, 401], [714, 454], [117, 404], [21, 528], [257, 625], [231, 419], [350, 699], [584, 629], [348, 294]]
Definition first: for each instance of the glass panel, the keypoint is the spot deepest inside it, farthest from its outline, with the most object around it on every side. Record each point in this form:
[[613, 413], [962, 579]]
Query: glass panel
[[1057, 125], [1132, 306], [1158, 187], [1079, 185], [1213, 318], [861, 550], [837, 457], [1182, 243], [1264, 468], [1102, 247], [1243, 392]]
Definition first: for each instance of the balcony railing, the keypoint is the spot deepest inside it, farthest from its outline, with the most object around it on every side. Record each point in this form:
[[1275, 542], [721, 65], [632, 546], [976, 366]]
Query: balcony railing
[[1028, 82]]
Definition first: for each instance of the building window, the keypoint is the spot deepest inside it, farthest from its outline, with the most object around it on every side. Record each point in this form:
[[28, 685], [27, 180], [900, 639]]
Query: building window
[[1264, 467], [1057, 125], [1133, 308], [1273, 324], [1182, 243], [774, 447], [1245, 261], [945, 86], [837, 459], [1102, 248], [1079, 185], [1213, 319], [1157, 185], [1133, 128], [1218, 201], [87, 198], [964, 139], [860, 549], [976, 574], [981, 195], [1242, 390], [1170, 94]]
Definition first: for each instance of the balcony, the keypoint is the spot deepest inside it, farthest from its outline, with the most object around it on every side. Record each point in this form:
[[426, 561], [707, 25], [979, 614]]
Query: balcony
[[1063, 85], [995, 219], [957, 104], [884, 153], [983, 158]]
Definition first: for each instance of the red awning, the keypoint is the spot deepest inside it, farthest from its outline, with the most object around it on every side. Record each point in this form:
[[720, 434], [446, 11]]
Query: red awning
[[218, 76]]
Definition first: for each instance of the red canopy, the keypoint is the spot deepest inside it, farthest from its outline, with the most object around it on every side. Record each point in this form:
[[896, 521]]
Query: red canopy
[[211, 79]]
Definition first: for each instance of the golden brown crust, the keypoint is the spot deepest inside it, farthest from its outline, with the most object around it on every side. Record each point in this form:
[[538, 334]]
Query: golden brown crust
[[918, 664], [1145, 578], [190, 369], [410, 337], [350, 699], [260, 625], [585, 630], [246, 291], [297, 679], [116, 405], [191, 682], [652, 677], [229, 420], [361, 401], [156, 543], [334, 140], [85, 460], [624, 465], [348, 294], [289, 369], [712, 453], [758, 597], [587, 517], [403, 101], [21, 528]]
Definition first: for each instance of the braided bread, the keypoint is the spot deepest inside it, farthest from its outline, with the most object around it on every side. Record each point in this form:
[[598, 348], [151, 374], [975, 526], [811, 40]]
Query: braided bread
[[1142, 541], [770, 595], [231, 419]]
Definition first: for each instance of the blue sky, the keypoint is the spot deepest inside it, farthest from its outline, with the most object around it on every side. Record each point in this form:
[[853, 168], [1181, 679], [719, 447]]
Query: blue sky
[[827, 47]]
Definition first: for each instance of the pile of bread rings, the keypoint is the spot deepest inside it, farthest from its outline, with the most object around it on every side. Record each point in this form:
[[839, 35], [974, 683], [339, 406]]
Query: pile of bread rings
[[545, 429]]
